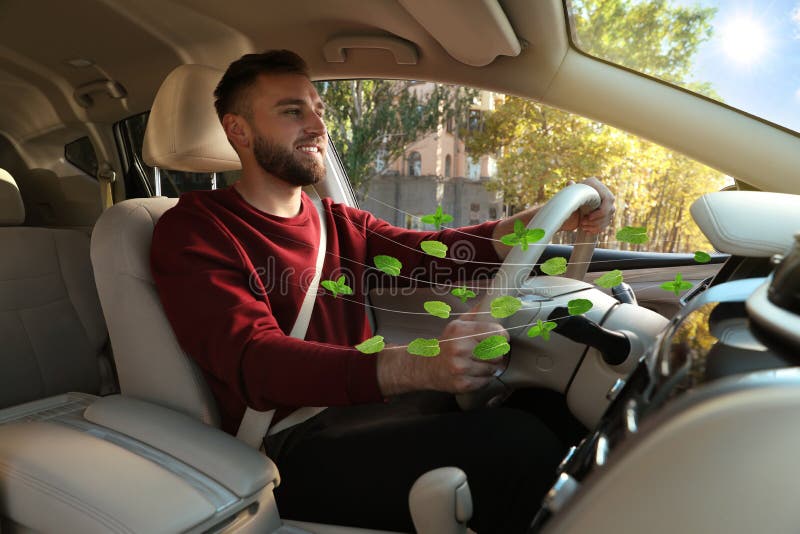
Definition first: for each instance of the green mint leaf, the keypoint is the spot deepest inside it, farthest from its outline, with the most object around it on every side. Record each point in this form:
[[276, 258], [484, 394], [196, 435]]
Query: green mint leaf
[[554, 266], [340, 280], [434, 248], [437, 218], [579, 306], [424, 347], [331, 286], [542, 329], [371, 345], [345, 290], [702, 257], [511, 240], [519, 228], [534, 235], [490, 348], [610, 279], [437, 308], [503, 307], [388, 264], [676, 286], [463, 293], [633, 234]]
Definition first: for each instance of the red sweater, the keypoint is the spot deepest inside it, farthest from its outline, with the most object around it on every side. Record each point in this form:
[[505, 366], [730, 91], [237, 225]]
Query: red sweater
[[232, 278]]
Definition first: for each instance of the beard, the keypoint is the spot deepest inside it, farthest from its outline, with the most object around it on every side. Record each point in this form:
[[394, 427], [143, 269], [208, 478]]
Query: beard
[[285, 164]]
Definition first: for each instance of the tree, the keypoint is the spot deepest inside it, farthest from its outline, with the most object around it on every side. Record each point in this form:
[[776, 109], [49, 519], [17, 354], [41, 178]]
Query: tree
[[540, 148], [375, 120]]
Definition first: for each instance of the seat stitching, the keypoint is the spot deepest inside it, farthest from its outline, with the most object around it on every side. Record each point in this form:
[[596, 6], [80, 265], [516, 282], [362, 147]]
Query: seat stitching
[[70, 500], [66, 288], [42, 305], [27, 277], [42, 384]]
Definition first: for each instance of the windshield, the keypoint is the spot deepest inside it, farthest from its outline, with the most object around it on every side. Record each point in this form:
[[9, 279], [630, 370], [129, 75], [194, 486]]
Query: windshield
[[745, 53]]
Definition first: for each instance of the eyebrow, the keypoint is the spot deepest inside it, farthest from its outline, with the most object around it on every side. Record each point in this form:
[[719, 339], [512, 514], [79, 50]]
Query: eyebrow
[[296, 102]]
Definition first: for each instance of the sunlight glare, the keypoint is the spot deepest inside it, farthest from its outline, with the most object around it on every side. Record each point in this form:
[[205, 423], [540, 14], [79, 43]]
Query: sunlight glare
[[744, 39]]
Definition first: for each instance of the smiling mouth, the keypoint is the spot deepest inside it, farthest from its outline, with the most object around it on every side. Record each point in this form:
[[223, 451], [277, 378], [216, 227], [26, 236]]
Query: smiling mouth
[[309, 149]]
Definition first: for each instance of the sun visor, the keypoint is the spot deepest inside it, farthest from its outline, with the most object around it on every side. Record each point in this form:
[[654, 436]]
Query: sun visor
[[473, 32]]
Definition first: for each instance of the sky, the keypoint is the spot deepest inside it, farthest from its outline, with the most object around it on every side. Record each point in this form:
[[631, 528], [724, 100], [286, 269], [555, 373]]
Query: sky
[[753, 57]]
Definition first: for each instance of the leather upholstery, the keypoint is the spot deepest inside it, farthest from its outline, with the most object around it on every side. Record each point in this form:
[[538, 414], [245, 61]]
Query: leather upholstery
[[150, 363], [183, 131], [229, 461], [12, 210], [748, 223], [50, 482], [51, 325]]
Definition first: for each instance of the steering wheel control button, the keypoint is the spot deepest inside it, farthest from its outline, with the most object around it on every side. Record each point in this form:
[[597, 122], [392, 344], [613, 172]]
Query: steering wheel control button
[[615, 389], [601, 450], [567, 458], [561, 492], [632, 416]]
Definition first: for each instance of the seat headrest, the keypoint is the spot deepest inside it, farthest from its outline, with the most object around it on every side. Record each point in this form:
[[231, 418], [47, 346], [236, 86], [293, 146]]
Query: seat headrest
[[183, 132], [12, 210]]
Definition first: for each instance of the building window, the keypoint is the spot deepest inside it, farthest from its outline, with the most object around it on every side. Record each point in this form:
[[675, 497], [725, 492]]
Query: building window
[[474, 213], [473, 168], [475, 120], [448, 164], [414, 164], [380, 160]]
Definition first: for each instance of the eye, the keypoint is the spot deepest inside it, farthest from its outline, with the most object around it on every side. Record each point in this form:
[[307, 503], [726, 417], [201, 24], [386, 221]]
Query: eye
[[292, 111]]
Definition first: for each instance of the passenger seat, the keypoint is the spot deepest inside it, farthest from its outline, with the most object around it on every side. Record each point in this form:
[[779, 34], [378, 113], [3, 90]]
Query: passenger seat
[[54, 337]]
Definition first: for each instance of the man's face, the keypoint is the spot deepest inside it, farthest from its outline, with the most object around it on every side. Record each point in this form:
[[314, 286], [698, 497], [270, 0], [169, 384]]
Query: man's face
[[289, 136]]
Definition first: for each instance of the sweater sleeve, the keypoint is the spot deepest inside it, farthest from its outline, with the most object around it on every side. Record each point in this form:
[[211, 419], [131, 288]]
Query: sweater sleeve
[[470, 255], [203, 282]]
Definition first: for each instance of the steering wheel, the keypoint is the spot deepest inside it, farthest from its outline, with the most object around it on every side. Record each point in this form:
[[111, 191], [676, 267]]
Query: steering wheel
[[551, 217], [518, 263]]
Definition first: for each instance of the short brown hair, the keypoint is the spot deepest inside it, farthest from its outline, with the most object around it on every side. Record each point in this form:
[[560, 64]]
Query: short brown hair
[[242, 74]]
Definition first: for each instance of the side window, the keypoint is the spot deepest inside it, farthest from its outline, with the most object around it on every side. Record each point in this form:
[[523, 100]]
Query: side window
[[165, 182], [80, 153], [497, 155]]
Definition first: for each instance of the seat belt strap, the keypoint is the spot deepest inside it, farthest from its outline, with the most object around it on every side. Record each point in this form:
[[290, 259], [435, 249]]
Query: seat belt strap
[[106, 177], [254, 424]]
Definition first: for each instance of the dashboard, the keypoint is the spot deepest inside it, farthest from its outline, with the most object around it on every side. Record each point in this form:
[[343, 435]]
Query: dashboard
[[710, 354]]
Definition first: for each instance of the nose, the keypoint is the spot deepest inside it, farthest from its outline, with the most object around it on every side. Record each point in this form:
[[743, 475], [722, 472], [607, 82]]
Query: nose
[[316, 126]]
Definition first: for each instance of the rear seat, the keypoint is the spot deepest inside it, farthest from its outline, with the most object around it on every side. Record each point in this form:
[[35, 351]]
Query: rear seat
[[54, 337]]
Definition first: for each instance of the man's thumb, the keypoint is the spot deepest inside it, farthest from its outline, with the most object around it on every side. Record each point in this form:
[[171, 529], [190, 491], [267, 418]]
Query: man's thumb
[[473, 314]]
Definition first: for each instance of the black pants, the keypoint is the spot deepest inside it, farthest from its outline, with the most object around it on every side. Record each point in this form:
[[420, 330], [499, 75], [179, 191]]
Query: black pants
[[355, 465]]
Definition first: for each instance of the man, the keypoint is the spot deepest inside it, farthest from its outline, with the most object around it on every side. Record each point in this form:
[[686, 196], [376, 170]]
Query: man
[[216, 258]]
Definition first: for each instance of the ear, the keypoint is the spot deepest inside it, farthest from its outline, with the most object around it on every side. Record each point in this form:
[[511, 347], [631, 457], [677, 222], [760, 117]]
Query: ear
[[237, 129]]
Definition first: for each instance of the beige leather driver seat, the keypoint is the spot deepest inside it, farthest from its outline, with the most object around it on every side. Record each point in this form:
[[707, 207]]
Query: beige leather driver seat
[[51, 326], [182, 134]]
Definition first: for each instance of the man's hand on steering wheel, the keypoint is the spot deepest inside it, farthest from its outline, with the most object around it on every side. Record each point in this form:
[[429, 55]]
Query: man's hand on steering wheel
[[595, 221]]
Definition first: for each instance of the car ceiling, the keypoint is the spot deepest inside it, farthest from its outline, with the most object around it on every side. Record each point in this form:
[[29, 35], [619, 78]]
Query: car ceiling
[[137, 43]]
